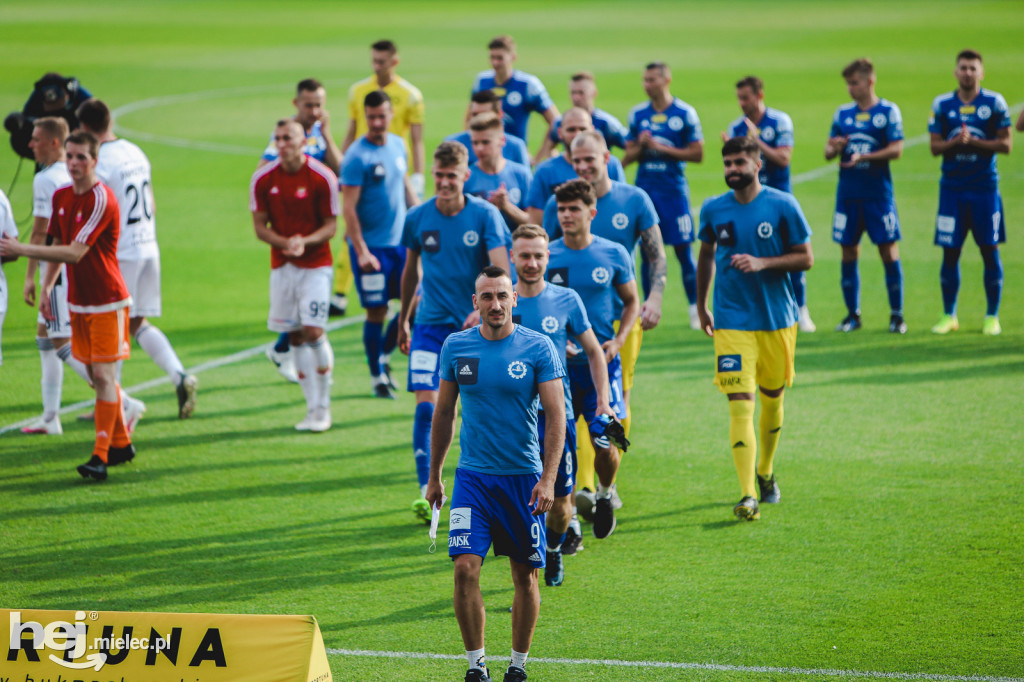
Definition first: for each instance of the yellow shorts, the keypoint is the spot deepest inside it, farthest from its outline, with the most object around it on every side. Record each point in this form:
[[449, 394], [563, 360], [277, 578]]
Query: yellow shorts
[[629, 353], [100, 337], [746, 360]]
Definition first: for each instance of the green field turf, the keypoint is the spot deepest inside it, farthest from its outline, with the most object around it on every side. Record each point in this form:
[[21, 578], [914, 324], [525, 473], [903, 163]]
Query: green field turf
[[897, 549]]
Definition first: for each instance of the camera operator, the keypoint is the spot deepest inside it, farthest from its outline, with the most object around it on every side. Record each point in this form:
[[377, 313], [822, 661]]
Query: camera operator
[[54, 95]]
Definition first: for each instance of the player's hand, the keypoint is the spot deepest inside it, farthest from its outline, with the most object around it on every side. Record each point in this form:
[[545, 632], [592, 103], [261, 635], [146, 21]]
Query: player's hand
[[295, 247], [325, 122], [403, 336], [571, 349], [965, 136], [646, 140], [854, 159], [29, 293], [542, 497], [611, 348], [650, 314], [435, 494], [744, 262], [605, 407], [368, 262], [707, 320], [837, 144], [44, 307], [9, 246], [499, 197], [472, 320]]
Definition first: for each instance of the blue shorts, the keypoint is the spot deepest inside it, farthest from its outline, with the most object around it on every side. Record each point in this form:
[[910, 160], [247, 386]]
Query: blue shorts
[[674, 218], [584, 395], [565, 481], [425, 355], [489, 509], [854, 216], [981, 212], [377, 288]]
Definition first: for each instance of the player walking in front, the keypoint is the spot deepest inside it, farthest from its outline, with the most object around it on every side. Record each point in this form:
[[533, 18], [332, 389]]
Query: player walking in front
[[752, 237], [866, 134], [84, 228], [968, 127], [503, 487], [294, 204]]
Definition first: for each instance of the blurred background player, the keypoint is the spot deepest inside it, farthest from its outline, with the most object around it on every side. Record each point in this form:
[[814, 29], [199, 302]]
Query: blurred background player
[[772, 130], [752, 237], [125, 169], [53, 95], [8, 229], [311, 112], [449, 239], [968, 127], [665, 134], [84, 228], [407, 116], [484, 102], [493, 177], [866, 134], [376, 191], [583, 93], [294, 204], [521, 92]]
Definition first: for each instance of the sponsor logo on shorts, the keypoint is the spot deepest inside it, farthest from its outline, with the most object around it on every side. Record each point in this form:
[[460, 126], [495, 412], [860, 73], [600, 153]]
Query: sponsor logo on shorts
[[460, 540], [471, 238], [423, 360], [534, 557], [422, 378], [601, 275], [460, 518], [549, 324], [730, 363], [517, 369], [620, 221], [764, 230]]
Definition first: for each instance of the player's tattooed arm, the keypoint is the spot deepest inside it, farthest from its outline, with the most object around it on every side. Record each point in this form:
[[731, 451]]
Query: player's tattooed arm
[[654, 253]]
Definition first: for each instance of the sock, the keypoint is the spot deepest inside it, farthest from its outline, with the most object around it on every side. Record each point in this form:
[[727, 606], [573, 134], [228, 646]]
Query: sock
[[850, 282], [949, 279], [744, 444], [371, 343], [799, 280], [518, 659], [477, 659], [283, 343], [894, 283], [52, 382], [305, 367], [64, 353], [770, 428], [555, 541], [993, 280], [421, 439], [119, 436], [323, 361], [584, 456], [105, 418], [685, 255], [158, 347], [390, 339], [603, 491]]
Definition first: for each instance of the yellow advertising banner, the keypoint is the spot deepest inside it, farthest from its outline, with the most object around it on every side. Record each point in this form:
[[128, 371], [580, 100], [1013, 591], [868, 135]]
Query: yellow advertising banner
[[117, 646]]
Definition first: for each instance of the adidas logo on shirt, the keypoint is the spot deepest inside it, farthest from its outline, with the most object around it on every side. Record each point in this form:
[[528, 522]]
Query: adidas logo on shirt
[[430, 241], [557, 279], [466, 370]]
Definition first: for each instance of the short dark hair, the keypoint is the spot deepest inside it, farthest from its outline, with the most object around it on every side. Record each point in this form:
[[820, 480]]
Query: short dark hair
[[660, 66], [308, 85], [503, 42], [94, 115], [862, 66], [493, 272], [969, 54], [574, 190], [486, 97], [375, 98], [385, 46], [741, 145], [582, 76], [86, 138], [755, 84]]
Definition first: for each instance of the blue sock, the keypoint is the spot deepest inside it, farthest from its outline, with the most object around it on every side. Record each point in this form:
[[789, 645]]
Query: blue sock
[[421, 439], [371, 342], [993, 280], [283, 344], [949, 278], [685, 255], [552, 540], [391, 336], [799, 280], [894, 283], [850, 282]]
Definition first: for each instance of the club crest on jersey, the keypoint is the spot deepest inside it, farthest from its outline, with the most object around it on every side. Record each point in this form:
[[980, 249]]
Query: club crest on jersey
[[78, 217], [768, 134], [880, 120], [601, 275], [514, 99], [300, 193], [675, 123], [60, 212], [730, 363], [516, 369], [514, 195], [764, 230], [620, 221], [471, 238], [984, 112], [549, 324]]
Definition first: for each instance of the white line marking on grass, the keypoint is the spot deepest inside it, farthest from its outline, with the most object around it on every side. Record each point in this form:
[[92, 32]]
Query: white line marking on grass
[[762, 669]]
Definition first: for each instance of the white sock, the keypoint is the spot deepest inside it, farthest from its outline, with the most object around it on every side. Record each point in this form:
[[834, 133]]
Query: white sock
[[423, 491], [52, 382], [603, 491], [518, 659], [158, 347], [476, 659], [323, 359], [64, 353], [305, 367]]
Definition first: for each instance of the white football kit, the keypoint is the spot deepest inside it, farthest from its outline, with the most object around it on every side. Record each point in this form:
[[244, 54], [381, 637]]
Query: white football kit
[[44, 184]]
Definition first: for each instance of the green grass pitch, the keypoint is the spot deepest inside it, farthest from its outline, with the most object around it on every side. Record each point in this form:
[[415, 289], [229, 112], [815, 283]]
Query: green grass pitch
[[897, 548]]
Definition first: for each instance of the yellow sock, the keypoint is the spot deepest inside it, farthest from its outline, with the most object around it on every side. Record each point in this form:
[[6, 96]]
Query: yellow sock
[[770, 427], [584, 456], [744, 443], [343, 277]]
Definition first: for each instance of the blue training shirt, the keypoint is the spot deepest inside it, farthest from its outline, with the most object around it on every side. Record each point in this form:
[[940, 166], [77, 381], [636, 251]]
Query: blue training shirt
[[964, 167], [380, 171], [556, 170], [521, 94], [453, 251], [678, 126], [622, 215], [515, 176], [611, 129], [499, 385], [767, 226], [868, 131], [514, 149], [776, 131], [315, 146]]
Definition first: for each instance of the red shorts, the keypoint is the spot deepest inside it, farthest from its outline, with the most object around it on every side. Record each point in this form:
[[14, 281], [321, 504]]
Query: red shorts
[[100, 337]]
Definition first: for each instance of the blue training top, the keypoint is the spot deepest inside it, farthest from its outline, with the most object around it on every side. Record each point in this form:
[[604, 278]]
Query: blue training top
[[380, 171]]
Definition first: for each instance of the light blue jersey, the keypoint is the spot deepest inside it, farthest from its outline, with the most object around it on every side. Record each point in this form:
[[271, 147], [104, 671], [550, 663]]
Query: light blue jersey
[[969, 168], [593, 273], [499, 385], [678, 126], [453, 251], [514, 149], [868, 131], [556, 170], [767, 226], [611, 129], [622, 215], [515, 176], [521, 94], [380, 171], [315, 146], [776, 131]]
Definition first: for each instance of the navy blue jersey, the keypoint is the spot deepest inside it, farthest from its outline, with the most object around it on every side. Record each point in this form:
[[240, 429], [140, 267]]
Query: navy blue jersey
[[868, 131], [969, 167], [678, 126], [776, 130], [521, 94], [611, 129]]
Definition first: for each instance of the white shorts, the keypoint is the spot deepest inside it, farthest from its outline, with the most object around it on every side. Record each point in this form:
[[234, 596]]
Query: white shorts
[[60, 326], [143, 280], [299, 297]]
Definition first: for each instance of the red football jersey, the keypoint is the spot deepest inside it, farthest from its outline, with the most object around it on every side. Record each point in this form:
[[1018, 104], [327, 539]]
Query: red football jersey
[[95, 284], [297, 203]]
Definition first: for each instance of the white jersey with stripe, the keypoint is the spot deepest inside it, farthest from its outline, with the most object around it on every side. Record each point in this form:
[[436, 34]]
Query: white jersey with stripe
[[124, 168]]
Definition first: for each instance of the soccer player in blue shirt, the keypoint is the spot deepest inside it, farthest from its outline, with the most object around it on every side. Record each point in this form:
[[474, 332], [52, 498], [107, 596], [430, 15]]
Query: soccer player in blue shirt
[[665, 134], [773, 131], [558, 312], [601, 272], [493, 177], [376, 191], [866, 134], [521, 93], [968, 127], [583, 93], [753, 237], [484, 102], [451, 238], [503, 488]]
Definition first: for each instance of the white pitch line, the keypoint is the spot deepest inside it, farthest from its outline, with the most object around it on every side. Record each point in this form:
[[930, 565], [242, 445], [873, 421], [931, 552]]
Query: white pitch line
[[717, 667]]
